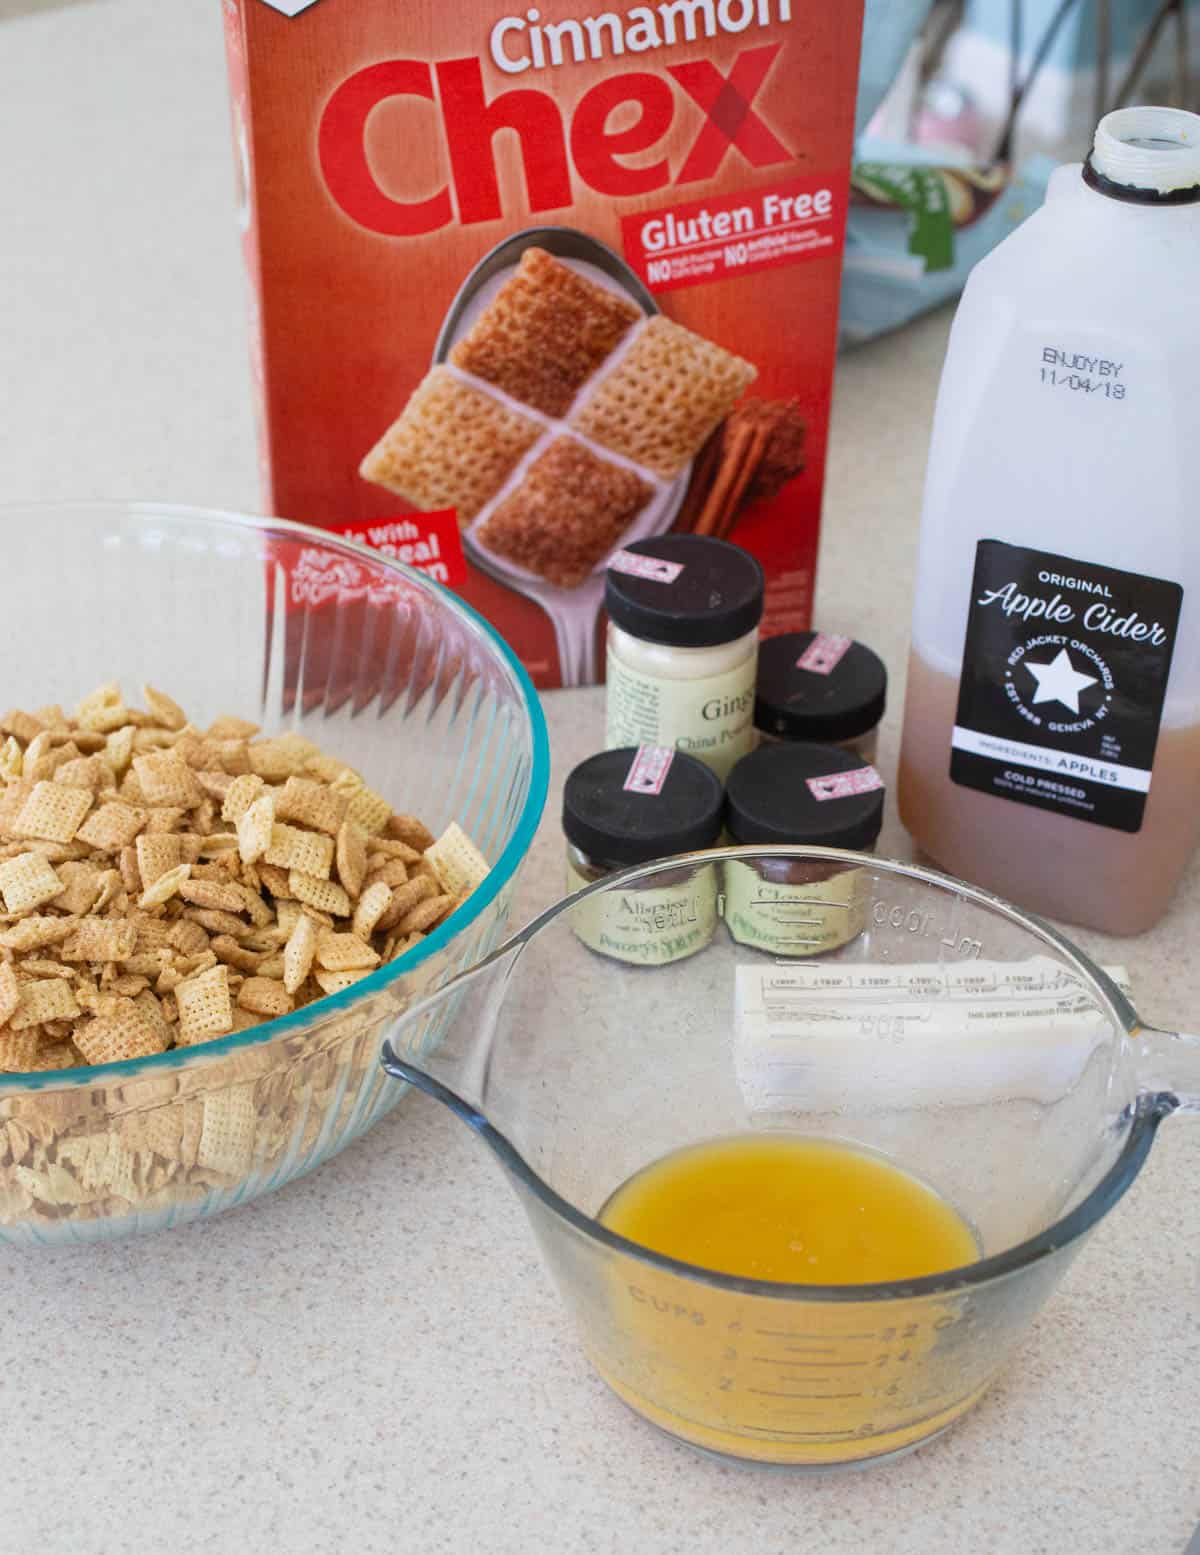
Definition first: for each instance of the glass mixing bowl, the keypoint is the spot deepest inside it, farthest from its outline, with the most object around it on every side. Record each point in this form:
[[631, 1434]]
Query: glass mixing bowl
[[299, 631]]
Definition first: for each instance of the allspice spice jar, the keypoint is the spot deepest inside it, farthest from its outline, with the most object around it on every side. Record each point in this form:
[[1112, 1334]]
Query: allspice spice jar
[[632, 806], [798, 793]]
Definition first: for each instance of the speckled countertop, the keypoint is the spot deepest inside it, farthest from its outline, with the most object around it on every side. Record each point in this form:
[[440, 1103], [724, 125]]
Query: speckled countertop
[[373, 1359]]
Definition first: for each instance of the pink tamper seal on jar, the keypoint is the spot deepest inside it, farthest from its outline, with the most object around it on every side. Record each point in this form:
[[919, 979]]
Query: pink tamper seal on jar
[[822, 687]]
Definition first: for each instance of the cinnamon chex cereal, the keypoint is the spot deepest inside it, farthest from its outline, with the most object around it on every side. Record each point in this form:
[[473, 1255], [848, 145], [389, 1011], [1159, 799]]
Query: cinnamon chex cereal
[[231, 728], [325, 895], [603, 379], [388, 871], [459, 863], [344, 952], [113, 826], [299, 952], [227, 1137], [421, 918], [205, 1009], [256, 828], [164, 887], [49, 998], [166, 779], [311, 804], [351, 856], [240, 795], [264, 996], [103, 710], [368, 809], [370, 908], [36, 932], [165, 900], [408, 829], [212, 893], [52, 811], [28, 881], [82, 884], [21, 725], [280, 757], [122, 1033], [11, 758], [18, 1050], [156, 854], [404, 899], [162, 708], [10, 991], [334, 982], [101, 939], [293, 849]]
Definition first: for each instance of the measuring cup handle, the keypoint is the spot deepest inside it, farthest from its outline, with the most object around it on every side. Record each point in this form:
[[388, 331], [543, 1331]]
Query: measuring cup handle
[[1169, 1068]]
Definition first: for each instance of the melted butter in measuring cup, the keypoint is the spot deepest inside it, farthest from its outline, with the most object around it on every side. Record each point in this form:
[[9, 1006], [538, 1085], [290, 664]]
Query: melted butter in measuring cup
[[803, 1381]]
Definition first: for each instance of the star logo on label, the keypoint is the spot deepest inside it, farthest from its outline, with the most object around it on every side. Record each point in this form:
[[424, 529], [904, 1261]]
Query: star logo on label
[[1059, 681]]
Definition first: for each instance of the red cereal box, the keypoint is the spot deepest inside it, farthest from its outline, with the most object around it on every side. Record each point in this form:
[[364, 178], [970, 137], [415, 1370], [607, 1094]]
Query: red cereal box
[[532, 283]]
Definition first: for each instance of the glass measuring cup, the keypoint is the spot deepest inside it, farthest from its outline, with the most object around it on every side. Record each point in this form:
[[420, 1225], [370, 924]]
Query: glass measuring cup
[[958, 1038]]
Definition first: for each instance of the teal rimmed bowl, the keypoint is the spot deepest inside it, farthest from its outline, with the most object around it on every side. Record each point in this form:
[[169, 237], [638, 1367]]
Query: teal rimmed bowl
[[302, 631]]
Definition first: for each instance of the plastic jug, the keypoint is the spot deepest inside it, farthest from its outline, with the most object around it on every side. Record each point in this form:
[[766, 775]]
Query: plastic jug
[[1051, 748]]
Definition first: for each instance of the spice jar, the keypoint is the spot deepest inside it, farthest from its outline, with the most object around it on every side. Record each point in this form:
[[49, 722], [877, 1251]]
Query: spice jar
[[632, 806], [682, 646], [816, 686], [797, 793]]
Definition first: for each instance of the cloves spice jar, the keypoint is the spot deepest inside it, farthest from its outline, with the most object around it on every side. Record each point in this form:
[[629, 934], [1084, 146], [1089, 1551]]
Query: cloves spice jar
[[632, 806], [797, 793], [820, 687]]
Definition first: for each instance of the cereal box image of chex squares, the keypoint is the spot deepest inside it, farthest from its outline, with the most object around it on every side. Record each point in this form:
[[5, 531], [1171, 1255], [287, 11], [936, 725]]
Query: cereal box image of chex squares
[[567, 513], [582, 356], [545, 334]]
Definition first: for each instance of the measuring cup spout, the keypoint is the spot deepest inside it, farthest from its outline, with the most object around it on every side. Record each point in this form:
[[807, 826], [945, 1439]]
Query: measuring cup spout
[[442, 1045], [1169, 1068]]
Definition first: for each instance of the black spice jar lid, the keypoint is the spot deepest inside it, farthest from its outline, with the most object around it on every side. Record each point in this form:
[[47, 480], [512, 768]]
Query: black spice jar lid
[[715, 596], [802, 703], [769, 798], [616, 824]]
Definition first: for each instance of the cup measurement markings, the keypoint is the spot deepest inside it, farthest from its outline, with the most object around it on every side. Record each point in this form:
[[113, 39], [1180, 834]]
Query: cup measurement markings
[[787, 1333], [778, 1393], [779, 1360], [924, 925]]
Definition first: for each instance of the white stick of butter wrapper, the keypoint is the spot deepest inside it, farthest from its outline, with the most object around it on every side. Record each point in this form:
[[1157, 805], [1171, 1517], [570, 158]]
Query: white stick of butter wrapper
[[827, 1038]]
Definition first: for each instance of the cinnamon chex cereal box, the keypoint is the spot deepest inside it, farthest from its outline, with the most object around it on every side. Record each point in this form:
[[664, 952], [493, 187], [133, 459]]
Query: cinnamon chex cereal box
[[532, 282]]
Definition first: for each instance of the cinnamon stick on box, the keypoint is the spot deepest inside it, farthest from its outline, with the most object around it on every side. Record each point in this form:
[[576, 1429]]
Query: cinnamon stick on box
[[752, 456], [742, 449]]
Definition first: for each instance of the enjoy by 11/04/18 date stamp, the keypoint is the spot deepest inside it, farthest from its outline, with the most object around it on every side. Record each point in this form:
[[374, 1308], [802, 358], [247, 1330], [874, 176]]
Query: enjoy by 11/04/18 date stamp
[[1076, 370]]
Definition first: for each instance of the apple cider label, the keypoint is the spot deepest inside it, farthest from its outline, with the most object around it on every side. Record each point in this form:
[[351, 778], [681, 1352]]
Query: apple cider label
[[1064, 674]]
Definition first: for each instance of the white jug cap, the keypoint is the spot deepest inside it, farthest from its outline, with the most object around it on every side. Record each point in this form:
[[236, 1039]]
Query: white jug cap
[[1149, 148]]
